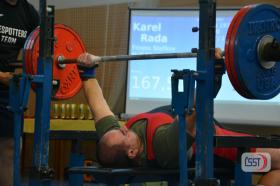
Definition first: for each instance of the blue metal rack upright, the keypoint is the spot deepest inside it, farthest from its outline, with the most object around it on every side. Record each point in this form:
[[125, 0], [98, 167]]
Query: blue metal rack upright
[[205, 93], [17, 104], [40, 173], [182, 103]]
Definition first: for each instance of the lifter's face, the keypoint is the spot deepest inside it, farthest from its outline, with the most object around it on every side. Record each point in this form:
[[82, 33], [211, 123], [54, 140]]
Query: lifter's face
[[122, 136]]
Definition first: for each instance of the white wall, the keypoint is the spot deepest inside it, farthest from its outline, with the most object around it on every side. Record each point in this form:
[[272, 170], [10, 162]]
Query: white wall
[[63, 4]]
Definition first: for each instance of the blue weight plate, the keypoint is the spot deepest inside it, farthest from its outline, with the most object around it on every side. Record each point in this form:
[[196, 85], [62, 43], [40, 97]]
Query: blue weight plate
[[261, 20]]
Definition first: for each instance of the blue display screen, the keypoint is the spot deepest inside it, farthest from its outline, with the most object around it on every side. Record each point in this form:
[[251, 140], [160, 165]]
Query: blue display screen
[[169, 31]]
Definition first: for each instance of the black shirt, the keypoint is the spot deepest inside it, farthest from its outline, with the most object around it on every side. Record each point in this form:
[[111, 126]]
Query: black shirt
[[16, 23]]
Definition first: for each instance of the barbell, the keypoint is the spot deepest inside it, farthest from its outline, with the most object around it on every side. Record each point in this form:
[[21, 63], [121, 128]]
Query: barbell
[[252, 53], [99, 59]]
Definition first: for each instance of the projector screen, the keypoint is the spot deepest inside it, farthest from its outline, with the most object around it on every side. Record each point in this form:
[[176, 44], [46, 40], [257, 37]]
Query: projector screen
[[169, 31]]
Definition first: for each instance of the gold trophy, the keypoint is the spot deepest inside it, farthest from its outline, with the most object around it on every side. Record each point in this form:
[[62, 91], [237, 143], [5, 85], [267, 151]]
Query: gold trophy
[[68, 111], [81, 111], [89, 113], [74, 111], [63, 111], [55, 111]]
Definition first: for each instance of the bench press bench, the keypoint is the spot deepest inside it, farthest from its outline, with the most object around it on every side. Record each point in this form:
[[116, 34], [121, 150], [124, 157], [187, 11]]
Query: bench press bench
[[113, 176]]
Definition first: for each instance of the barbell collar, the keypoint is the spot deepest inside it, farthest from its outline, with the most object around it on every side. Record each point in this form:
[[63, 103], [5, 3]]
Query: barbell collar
[[268, 51], [271, 52], [61, 65]]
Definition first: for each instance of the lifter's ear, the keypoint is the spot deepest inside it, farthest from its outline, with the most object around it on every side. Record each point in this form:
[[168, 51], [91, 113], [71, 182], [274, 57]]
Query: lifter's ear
[[132, 153]]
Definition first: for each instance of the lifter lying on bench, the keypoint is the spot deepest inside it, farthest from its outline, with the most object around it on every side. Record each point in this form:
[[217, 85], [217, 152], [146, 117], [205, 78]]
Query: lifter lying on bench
[[138, 143]]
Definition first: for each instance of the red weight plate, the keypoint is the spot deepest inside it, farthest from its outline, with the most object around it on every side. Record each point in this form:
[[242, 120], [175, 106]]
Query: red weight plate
[[32, 69], [26, 51], [229, 52], [29, 51], [229, 55], [235, 68], [227, 58], [69, 45], [34, 53]]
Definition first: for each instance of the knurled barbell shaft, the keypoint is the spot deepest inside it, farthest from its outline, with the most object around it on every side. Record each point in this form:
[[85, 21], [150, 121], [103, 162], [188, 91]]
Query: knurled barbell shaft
[[98, 59], [271, 53], [61, 60]]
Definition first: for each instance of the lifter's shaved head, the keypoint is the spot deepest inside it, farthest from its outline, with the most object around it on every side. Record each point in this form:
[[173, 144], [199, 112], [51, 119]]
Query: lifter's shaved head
[[118, 148]]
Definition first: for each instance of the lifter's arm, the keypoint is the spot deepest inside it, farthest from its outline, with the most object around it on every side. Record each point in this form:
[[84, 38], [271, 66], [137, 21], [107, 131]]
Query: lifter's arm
[[96, 100], [92, 90], [5, 77]]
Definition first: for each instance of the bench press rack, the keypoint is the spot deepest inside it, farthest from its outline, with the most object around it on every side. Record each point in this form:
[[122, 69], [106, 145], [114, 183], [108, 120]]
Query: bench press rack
[[20, 85], [203, 174]]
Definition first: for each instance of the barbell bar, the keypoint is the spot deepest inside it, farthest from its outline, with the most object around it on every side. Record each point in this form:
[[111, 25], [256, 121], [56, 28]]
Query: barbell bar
[[61, 60], [251, 54], [267, 53], [99, 59]]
